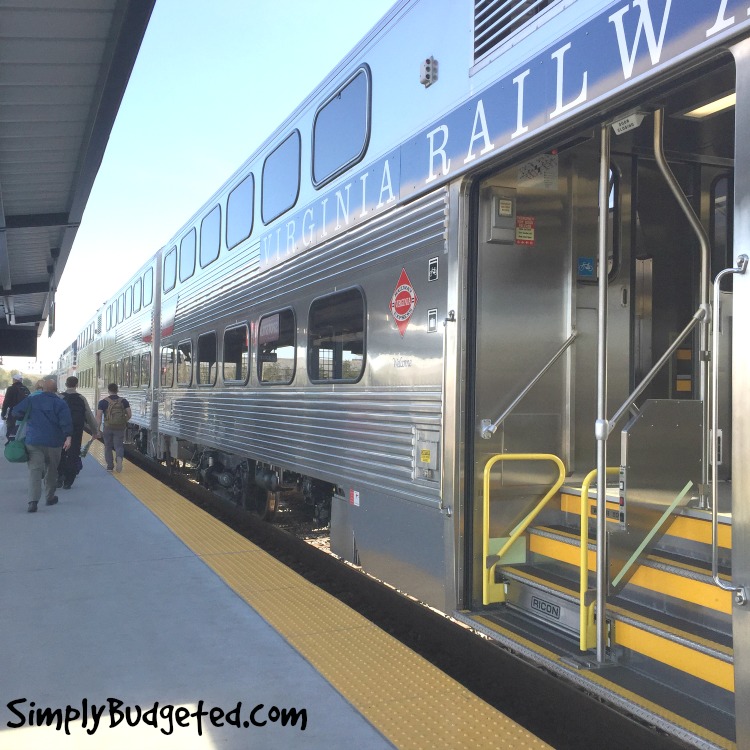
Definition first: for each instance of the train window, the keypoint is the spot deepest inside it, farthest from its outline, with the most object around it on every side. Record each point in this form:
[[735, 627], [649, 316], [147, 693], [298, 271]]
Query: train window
[[336, 337], [116, 373], [277, 347], [236, 354], [135, 371], [184, 362], [146, 369], [210, 237], [128, 301], [187, 256], [125, 372], [341, 129], [120, 308], [148, 287], [206, 370], [240, 212], [137, 295], [169, 278], [167, 366], [109, 317], [280, 181]]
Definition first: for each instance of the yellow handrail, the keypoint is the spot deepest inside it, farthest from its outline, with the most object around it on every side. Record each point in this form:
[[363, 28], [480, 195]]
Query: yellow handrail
[[489, 568], [586, 614]]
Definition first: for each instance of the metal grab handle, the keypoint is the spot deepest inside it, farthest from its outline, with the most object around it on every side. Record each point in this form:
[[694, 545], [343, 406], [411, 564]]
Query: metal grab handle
[[700, 314], [740, 593], [490, 567], [586, 614], [490, 428]]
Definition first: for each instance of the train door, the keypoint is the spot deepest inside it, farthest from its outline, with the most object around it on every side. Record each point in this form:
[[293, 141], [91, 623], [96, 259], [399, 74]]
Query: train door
[[523, 302], [536, 327]]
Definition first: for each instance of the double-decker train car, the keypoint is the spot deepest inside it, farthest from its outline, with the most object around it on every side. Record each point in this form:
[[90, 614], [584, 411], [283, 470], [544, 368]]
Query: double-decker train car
[[482, 299]]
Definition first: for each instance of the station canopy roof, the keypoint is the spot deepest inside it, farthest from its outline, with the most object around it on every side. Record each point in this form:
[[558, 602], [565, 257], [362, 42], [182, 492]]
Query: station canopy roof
[[64, 66]]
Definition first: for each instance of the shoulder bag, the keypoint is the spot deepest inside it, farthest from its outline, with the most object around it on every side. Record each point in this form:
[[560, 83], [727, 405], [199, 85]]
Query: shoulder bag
[[15, 450]]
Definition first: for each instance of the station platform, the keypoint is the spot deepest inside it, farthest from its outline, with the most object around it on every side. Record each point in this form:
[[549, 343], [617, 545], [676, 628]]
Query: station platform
[[131, 618]]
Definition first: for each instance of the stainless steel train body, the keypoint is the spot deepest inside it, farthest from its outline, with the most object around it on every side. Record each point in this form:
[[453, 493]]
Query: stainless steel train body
[[378, 312]]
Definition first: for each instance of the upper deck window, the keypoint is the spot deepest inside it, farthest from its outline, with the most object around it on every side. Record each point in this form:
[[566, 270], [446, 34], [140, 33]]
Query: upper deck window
[[148, 287], [341, 129], [210, 236], [240, 212], [187, 256], [280, 182], [137, 294], [169, 279]]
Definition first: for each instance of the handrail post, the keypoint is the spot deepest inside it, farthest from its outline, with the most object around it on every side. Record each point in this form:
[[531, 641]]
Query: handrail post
[[584, 606], [704, 293], [601, 402], [488, 429], [700, 314], [740, 593], [523, 525]]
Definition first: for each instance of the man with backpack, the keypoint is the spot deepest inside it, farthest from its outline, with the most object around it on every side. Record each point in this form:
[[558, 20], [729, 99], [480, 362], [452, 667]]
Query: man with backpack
[[14, 394], [116, 413], [70, 461]]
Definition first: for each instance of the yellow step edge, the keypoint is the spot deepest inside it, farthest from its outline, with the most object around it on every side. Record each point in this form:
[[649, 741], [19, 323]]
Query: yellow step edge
[[598, 678], [653, 579], [401, 694], [684, 527], [692, 662]]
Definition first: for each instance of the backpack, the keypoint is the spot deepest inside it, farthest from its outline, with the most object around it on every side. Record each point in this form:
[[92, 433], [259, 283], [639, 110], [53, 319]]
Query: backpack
[[116, 416], [77, 410]]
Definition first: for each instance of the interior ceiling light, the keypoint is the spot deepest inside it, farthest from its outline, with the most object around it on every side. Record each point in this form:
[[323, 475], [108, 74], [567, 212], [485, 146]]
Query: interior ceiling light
[[712, 107]]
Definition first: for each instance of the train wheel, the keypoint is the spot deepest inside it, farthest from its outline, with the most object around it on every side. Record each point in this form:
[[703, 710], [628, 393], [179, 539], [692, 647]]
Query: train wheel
[[260, 501], [267, 504]]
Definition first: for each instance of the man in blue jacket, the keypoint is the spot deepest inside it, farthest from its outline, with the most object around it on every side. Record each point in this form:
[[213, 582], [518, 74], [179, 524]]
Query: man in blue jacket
[[48, 431]]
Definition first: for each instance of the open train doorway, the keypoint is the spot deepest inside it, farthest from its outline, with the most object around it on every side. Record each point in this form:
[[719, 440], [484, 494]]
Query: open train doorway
[[531, 557]]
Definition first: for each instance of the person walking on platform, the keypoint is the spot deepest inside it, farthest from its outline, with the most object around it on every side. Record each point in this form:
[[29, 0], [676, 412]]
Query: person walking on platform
[[48, 430], [14, 394], [70, 461], [116, 413]]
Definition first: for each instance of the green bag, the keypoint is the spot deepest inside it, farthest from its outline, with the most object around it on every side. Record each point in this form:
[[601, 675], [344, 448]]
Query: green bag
[[15, 451]]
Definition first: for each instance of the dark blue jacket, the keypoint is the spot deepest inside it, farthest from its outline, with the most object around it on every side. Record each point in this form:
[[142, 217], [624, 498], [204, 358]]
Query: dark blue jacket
[[50, 421]]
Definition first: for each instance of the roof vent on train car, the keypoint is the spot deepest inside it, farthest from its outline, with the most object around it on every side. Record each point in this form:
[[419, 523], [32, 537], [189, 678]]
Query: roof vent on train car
[[496, 20]]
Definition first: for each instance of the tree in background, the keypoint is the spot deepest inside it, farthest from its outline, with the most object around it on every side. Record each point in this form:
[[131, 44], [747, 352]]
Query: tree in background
[[6, 378]]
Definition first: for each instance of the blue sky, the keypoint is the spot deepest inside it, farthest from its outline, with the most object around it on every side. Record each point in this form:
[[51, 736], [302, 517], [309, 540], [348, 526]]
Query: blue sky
[[211, 82]]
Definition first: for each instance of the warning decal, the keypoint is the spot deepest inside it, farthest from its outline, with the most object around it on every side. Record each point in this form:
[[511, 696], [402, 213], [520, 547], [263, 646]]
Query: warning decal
[[525, 230], [403, 302]]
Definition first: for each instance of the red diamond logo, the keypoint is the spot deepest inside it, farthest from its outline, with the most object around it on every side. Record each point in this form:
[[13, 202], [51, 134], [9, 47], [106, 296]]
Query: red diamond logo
[[403, 302]]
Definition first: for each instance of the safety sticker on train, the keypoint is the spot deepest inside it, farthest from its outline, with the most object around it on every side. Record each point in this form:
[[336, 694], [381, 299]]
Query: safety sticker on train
[[403, 302]]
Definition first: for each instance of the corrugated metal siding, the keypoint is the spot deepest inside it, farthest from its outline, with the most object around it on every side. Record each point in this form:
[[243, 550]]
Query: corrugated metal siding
[[360, 432]]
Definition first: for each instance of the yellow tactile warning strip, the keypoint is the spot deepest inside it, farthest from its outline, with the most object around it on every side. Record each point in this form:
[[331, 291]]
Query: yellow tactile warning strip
[[406, 698]]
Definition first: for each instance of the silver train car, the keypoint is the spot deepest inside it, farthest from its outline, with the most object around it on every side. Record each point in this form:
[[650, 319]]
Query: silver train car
[[482, 299]]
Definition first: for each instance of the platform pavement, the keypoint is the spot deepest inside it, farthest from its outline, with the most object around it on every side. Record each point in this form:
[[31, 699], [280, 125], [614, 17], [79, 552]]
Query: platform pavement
[[99, 600]]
